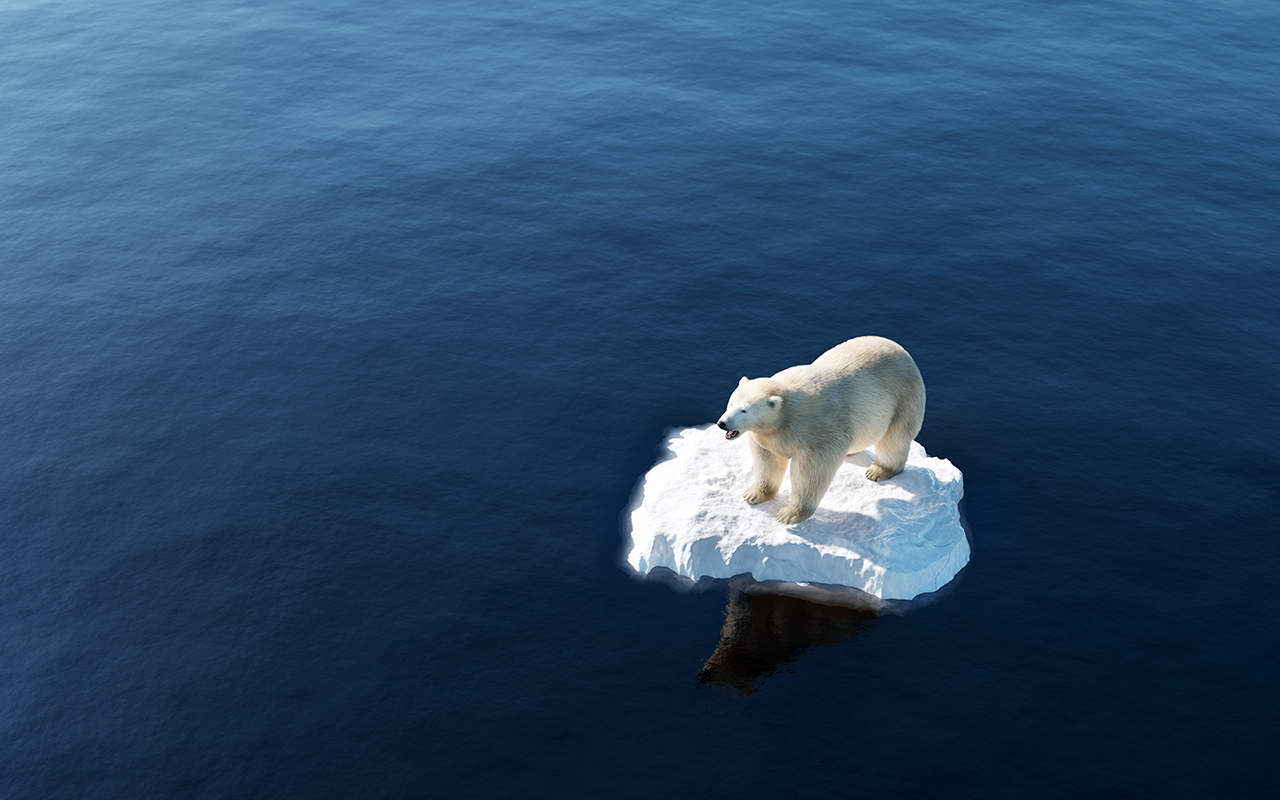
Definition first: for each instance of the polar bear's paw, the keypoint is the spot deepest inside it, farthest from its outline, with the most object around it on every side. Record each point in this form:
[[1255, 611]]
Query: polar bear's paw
[[791, 514], [757, 494], [878, 472]]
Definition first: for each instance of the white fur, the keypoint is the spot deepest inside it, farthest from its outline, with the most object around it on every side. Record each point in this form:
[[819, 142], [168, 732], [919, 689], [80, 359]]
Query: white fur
[[864, 392]]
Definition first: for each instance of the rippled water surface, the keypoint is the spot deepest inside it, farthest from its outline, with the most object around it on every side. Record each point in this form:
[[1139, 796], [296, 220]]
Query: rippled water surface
[[334, 337]]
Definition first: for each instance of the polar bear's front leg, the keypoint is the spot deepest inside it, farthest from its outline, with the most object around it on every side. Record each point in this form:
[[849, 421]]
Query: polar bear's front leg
[[810, 478], [767, 470]]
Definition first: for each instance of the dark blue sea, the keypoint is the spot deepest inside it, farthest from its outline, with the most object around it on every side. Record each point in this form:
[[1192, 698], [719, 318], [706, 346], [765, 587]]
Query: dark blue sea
[[335, 337]]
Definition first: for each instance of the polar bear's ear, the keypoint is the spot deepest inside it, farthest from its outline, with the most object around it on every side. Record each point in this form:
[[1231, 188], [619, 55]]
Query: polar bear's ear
[[775, 401], [744, 380]]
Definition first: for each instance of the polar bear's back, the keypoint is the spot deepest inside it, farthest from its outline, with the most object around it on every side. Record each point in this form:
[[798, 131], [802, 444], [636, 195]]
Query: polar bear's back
[[867, 353], [859, 387]]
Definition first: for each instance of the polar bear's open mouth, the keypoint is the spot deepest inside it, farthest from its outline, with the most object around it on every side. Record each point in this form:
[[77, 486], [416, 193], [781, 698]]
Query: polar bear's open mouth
[[731, 434]]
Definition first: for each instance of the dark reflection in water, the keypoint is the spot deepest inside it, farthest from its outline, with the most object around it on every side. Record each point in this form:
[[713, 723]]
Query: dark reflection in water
[[764, 632]]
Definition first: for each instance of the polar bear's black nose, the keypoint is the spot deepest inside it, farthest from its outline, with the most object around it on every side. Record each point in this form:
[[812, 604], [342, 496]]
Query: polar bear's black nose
[[721, 424]]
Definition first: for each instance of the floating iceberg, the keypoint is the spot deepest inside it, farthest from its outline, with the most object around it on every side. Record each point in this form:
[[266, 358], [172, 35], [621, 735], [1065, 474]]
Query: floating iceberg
[[893, 540]]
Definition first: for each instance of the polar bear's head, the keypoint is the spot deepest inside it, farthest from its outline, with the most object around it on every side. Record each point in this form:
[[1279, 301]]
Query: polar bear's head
[[755, 405]]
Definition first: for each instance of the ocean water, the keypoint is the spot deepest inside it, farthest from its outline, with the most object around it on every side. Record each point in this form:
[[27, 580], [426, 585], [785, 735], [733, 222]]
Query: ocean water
[[335, 336]]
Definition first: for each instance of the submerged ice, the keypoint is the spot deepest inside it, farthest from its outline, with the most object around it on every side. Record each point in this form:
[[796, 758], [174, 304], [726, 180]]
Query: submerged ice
[[894, 540]]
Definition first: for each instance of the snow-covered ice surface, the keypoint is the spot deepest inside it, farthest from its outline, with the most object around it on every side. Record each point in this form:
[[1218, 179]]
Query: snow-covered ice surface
[[868, 542]]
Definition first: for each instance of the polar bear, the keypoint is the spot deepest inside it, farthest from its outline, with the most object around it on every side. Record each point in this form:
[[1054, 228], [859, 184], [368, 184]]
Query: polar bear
[[864, 392]]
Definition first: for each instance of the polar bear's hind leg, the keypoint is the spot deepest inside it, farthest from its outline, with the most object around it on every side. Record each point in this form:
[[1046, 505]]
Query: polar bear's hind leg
[[893, 449]]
